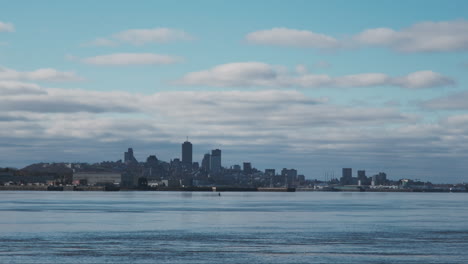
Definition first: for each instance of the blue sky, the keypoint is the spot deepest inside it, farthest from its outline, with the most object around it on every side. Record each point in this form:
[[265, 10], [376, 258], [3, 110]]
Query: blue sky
[[315, 85]]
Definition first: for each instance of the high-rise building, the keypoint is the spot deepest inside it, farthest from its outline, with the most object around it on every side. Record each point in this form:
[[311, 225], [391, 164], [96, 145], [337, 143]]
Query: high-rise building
[[379, 179], [361, 173], [206, 162], [362, 178], [215, 164], [247, 168], [187, 153], [347, 176], [270, 172], [128, 156], [289, 175]]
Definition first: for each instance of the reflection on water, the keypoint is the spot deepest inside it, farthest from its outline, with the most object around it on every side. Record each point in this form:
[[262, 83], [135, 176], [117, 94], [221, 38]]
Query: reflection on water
[[184, 227]]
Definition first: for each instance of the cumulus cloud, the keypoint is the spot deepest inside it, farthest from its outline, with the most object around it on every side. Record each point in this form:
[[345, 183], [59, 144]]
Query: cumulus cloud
[[15, 87], [292, 37], [56, 100], [457, 101], [424, 79], [123, 59], [154, 35], [426, 36], [43, 74], [258, 74], [139, 37], [6, 27], [421, 37], [227, 117]]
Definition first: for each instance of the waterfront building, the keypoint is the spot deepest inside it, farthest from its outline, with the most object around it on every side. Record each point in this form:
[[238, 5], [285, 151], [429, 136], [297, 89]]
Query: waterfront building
[[290, 176], [187, 153], [362, 178], [129, 157], [347, 176], [206, 162], [247, 168], [98, 178], [215, 163], [379, 179], [270, 172], [236, 168]]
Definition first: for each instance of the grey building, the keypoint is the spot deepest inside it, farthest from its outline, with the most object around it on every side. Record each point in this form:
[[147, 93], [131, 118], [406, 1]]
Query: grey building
[[247, 167], [129, 157], [206, 162], [187, 153], [347, 176], [215, 163]]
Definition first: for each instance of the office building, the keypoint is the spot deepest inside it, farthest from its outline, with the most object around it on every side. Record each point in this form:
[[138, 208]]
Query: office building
[[247, 168], [215, 163], [347, 176], [187, 153], [129, 157], [206, 162]]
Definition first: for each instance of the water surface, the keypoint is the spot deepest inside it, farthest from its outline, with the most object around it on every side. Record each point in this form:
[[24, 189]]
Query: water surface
[[199, 227]]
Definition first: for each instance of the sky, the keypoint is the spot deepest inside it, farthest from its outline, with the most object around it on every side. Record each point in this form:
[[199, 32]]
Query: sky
[[312, 85]]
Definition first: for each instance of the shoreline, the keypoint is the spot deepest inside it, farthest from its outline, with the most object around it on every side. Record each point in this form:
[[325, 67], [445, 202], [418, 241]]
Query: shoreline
[[211, 189]]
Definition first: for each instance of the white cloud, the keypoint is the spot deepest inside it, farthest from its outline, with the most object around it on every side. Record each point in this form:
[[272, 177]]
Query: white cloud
[[456, 101], [123, 59], [154, 35], [444, 36], [15, 87], [292, 37], [421, 37], [258, 74], [139, 37], [424, 79], [6, 27], [43, 74]]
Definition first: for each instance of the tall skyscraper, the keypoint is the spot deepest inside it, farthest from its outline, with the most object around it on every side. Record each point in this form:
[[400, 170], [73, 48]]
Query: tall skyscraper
[[270, 172], [247, 168], [361, 177], [128, 156], [347, 176], [206, 162], [289, 175], [187, 153], [215, 164]]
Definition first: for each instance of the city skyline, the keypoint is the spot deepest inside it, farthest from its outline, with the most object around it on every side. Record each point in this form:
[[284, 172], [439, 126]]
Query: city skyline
[[315, 86]]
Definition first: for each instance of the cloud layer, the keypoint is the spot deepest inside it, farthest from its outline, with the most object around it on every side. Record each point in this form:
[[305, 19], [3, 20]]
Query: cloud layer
[[43, 74], [140, 37], [258, 74], [272, 123], [427, 36], [124, 59], [292, 37], [457, 101]]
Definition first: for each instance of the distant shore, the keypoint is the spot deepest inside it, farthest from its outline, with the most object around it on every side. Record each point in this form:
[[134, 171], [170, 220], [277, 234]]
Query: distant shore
[[208, 189]]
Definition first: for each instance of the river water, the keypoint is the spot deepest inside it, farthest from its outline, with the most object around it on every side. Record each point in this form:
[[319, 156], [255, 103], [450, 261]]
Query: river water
[[236, 227]]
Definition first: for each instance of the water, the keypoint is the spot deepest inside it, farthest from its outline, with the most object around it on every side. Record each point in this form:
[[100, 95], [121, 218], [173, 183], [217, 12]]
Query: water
[[182, 227]]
